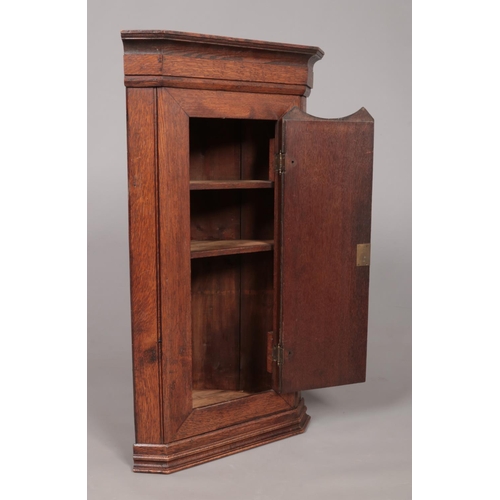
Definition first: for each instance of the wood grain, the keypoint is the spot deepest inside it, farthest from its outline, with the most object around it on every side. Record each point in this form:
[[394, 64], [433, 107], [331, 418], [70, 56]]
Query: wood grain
[[215, 104], [173, 163], [223, 339], [278, 194], [194, 64], [141, 117], [256, 320], [215, 298], [214, 149], [257, 291], [256, 136], [219, 443], [167, 58], [210, 418], [224, 41], [211, 397], [269, 353], [205, 243], [228, 247], [216, 185], [328, 176], [215, 215], [214, 84], [257, 215], [215, 284]]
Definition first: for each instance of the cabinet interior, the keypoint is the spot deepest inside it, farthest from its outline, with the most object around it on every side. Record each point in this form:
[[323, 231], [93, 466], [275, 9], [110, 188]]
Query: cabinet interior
[[232, 240]]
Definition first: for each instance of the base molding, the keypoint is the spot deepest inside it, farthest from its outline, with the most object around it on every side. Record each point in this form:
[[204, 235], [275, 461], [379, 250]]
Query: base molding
[[178, 455]]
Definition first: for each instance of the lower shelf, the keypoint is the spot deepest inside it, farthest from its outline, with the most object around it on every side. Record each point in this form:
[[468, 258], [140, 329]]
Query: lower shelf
[[208, 397], [178, 455]]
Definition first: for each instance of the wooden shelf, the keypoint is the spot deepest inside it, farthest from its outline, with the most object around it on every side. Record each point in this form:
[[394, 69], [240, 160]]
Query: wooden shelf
[[253, 184], [228, 247], [213, 396]]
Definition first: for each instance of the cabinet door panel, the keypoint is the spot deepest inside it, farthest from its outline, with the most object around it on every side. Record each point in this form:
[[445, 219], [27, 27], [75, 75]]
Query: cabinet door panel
[[326, 212]]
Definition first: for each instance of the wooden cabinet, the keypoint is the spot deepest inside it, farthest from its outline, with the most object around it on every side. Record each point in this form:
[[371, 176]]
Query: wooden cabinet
[[249, 244]]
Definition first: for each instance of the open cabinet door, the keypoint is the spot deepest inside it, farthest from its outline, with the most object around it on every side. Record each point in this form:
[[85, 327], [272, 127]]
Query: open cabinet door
[[325, 192]]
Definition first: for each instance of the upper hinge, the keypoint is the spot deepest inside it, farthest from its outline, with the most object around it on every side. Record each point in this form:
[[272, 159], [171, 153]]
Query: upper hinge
[[278, 354], [280, 162]]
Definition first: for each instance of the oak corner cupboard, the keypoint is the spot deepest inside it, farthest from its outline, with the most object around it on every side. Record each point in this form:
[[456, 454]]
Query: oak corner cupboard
[[249, 244]]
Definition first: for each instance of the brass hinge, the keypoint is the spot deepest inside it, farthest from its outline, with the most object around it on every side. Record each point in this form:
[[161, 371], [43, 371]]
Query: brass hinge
[[280, 162], [278, 354]]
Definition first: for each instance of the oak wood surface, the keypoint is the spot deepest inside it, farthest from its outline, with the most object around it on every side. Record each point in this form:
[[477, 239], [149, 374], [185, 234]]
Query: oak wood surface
[[228, 247], [257, 290], [214, 149], [202, 141], [229, 313], [257, 296], [240, 184], [215, 284], [217, 416], [167, 58], [215, 296], [183, 446], [195, 65], [275, 372], [328, 176], [173, 166], [216, 104], [215, 215], [257, 214], [256, 136], [224, 41], [214, 84], [214, 396], [219, 443], [141, 118]]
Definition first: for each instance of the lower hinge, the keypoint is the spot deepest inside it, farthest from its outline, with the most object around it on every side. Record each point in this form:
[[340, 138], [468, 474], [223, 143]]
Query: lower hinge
[[278, 354]]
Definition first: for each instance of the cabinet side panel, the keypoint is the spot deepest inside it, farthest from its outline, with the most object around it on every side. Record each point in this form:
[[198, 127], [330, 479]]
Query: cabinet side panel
[[175, 262], [141, 117]]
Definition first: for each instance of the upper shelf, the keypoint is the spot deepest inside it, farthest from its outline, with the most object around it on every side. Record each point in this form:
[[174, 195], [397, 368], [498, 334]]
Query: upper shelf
[[253, 184], [214, 248]]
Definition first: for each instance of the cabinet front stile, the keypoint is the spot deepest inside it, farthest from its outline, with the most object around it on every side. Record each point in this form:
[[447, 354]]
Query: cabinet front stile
[[174, 269]]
